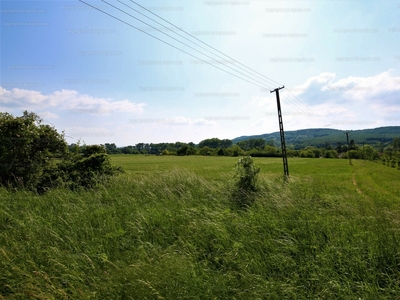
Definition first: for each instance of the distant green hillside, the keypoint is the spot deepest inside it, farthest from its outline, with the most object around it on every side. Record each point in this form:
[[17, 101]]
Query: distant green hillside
[[320, 137]]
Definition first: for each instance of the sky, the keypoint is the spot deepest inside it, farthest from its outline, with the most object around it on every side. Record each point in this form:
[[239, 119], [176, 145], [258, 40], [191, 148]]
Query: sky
[[107, 77]]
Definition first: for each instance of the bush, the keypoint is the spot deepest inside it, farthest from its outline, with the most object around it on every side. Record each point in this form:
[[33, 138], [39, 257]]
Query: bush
[[307, 153], [246, 181], [331, 154], [36, 157], [353, 154], [206, 151], [27, 148]]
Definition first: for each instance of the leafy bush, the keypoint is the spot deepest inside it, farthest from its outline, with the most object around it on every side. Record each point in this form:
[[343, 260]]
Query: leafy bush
[[307, 153], [246, 181], [331, 154], [26, 149], [186, 150], [206, 151], [353, 154], [36, 157]]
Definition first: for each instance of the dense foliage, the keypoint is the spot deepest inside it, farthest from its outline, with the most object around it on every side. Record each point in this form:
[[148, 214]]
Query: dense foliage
[[262, 147], [35, 156], [246, 182], [325, 138], [27, 147]]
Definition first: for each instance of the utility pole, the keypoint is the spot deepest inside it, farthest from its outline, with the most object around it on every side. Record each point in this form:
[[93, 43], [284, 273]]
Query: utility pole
[[364, 151], [348, 147], [282, 133]]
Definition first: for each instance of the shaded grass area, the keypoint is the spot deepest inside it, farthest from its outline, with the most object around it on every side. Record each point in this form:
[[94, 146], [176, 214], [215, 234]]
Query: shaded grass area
[[175, 234]]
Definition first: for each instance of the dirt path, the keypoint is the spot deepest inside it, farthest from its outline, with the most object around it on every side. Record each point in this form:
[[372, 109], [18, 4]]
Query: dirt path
[[353, 176]]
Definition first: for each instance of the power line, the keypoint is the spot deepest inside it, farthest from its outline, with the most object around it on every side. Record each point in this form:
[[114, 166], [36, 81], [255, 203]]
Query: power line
[[297, 107], [184, 36], [302, 104], [274, 82], [302, 111], [309, 115], [170, 44], [177, 40]]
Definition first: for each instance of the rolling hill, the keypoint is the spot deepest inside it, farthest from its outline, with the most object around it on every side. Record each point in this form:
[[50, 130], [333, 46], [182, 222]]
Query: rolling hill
[[320, 137]]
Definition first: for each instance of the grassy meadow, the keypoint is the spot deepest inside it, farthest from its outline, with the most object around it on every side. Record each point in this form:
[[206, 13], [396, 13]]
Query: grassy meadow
[[167, 229]]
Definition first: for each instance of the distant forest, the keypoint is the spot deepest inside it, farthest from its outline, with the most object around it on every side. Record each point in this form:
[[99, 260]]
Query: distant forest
[[321, 138], [329, 143]]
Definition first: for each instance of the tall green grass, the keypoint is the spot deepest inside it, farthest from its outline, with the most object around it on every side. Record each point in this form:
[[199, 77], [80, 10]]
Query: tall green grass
[[175, 234]]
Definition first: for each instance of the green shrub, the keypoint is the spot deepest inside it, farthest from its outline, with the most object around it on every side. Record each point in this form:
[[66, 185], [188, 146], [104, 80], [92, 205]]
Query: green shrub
[[26, 149], [331, 154], [35, 157], [246, 181], [307, 153]]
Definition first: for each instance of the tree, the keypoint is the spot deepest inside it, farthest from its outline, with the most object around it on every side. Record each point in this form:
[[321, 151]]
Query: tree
[[26, 149], [307, 153], [226, 143], [35, 156], [328, 146], [211, 143], [331, 154], [206, 151], [352, 145], [396, 144], [339, 147], [111, 148], [183, 150], [368, 152], [252, 144], [236, 150]]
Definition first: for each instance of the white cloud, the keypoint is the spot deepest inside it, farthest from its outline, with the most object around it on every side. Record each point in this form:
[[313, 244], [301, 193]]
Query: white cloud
[[66, 100], [78, 132], [382, 86], [352, 102], [48, 115], [183, 121], [366, 88]]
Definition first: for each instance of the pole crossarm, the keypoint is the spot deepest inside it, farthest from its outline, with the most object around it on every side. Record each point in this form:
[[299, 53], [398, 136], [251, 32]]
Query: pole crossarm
[[282, 132]]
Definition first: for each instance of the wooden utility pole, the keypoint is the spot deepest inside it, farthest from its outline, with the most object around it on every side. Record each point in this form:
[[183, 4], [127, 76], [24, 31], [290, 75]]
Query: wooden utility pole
[[363, 150], [282, 133], [348, 147]]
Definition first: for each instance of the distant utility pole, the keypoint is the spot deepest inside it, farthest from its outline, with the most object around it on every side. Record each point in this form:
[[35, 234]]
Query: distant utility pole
[[363, 150], [348, 146], [283, 144]]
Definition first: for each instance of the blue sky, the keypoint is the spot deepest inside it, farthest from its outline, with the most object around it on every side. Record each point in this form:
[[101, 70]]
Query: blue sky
[[102, 81]]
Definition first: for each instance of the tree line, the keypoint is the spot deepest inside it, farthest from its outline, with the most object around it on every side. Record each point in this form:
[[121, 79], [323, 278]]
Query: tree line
[[36, 157], [258, 147]]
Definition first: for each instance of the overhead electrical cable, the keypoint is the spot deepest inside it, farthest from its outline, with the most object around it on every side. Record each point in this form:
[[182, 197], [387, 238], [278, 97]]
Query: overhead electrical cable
[[169, 44], [300, 107], [274, 82], [219, 56], [295, 98], [302, 104], [180, 41], [304, 113]]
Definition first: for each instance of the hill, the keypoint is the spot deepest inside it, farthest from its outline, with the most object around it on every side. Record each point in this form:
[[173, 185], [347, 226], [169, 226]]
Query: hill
[[320, 137]]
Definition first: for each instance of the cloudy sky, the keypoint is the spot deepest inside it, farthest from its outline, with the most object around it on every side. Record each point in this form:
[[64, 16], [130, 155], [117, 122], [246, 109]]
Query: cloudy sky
[[106, 77]]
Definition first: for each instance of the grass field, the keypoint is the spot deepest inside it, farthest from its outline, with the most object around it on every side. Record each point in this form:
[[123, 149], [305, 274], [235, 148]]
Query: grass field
[[167, 229]]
